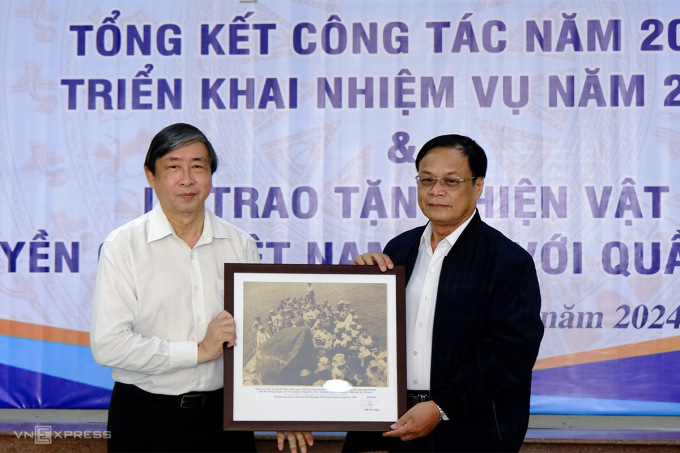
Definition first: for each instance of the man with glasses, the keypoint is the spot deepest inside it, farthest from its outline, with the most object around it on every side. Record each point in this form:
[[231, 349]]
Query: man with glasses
[[473, 326]]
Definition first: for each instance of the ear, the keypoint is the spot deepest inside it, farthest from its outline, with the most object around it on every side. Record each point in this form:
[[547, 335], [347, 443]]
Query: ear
[[479, 186], [150, 178]]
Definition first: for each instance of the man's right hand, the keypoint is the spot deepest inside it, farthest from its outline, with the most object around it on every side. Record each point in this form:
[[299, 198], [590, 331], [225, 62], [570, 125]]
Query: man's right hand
[[221, 330], [383, 261]]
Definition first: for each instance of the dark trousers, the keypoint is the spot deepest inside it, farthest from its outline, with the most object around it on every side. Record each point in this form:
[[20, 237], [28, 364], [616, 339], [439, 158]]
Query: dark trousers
[[140, 421], [362, 441]]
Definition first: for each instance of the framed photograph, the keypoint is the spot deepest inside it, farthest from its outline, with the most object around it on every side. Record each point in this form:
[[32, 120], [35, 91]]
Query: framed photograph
[[319, 347]]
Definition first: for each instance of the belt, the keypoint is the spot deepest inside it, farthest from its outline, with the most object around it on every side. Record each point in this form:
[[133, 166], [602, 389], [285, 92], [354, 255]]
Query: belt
[[414, 397], [191, 400]]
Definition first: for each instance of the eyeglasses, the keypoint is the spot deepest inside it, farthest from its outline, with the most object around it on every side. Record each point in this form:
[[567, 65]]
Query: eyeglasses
[[448, 183]]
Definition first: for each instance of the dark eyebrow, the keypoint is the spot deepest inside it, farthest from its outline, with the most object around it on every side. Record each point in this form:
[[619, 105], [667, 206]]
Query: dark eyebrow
[[451, 173], [173, 158]]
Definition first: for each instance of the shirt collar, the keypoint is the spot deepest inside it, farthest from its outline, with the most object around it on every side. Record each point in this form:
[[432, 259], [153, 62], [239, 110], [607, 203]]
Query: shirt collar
[[426, 238], [159, 227], [214, 227]]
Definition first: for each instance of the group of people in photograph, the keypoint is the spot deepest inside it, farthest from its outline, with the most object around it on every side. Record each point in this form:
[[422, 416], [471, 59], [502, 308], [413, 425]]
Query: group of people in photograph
[[345, 349]]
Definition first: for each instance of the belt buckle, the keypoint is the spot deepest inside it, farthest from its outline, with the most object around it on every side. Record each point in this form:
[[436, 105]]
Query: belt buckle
[[190, 401]]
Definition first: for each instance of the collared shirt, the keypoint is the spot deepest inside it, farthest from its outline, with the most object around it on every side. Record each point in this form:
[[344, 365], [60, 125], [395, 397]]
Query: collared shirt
[[421, 299], [154, 298]]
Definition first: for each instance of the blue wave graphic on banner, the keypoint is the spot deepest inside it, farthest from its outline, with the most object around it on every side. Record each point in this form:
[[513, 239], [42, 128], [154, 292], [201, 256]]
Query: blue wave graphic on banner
[[636, 385], [556, 405], [66, 361], [24, 389]]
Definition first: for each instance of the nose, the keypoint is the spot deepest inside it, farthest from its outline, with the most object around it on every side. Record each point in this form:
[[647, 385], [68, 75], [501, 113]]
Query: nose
[[187, 178], [438, 186]]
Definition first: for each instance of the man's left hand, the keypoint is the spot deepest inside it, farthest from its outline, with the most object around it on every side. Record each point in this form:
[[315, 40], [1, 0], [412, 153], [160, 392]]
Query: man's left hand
[[295, 438], [419, 421]]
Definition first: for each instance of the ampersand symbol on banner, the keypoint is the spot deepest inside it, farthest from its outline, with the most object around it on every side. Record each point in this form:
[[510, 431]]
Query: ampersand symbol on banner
[[400, 153]]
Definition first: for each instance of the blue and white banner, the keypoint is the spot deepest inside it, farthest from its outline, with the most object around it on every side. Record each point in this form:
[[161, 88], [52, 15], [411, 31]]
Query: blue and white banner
[[316, 110]]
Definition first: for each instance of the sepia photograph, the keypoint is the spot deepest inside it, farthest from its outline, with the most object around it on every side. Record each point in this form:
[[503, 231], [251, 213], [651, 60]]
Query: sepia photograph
[[314, 339], [306, 334]]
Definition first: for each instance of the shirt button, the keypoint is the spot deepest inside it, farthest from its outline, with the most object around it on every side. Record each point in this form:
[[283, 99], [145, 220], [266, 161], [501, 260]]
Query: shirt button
[[196, 288], [415, 352], [415, 381], [432, 269]]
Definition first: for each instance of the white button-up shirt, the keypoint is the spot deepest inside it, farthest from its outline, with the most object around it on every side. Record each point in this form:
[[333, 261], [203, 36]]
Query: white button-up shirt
[[154, 298], [421, 299]]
